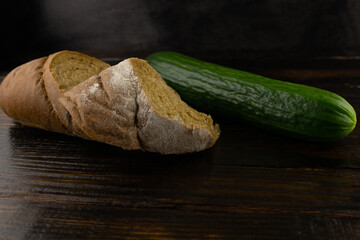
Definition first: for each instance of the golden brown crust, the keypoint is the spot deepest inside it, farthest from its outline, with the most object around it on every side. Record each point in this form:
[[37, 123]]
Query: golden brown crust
[[103, 112], [53, 91], [23, 97], [111, 107]]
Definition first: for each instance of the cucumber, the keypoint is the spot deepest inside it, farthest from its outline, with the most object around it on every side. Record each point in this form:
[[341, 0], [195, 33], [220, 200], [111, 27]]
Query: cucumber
[[287, 108]]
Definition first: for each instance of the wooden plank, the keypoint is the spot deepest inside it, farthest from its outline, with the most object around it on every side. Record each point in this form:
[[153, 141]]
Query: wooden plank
[[81, 198], [252, 185], [63, 187]]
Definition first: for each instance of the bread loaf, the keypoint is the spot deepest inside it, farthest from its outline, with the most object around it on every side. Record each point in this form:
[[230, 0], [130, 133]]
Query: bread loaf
[[127, 105]]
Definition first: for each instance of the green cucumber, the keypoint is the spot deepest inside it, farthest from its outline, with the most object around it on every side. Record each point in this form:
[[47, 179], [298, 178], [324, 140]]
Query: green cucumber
[[288, 108]]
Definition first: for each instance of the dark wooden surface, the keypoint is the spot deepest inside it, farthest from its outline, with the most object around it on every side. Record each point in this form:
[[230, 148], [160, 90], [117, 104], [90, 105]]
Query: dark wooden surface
[[251, 185]]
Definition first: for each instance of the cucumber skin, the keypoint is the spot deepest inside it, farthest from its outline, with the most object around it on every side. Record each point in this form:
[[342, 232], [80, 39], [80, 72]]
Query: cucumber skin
[[287, 108]]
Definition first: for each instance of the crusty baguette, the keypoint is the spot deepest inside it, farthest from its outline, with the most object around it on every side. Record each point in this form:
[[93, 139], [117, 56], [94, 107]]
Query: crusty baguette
[[23, 97], [126, 105]]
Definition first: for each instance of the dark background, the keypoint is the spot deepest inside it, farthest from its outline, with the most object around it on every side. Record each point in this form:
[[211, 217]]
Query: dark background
[[229, 31]]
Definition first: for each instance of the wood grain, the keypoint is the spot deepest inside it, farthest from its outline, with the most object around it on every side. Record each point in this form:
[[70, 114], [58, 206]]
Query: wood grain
[[251, 185]]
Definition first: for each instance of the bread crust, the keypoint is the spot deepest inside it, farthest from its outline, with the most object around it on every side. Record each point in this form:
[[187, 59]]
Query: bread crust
[[24, 98], [110, 107], [103, 108], [164, 135]]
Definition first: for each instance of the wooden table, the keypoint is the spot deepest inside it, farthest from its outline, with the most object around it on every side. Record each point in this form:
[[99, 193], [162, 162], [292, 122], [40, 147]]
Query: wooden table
[[251, 185]]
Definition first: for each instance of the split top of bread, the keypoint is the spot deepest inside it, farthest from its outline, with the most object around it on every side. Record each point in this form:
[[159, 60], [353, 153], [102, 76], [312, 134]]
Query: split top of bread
[[127, 105]]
